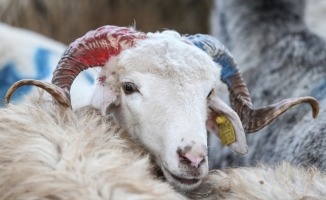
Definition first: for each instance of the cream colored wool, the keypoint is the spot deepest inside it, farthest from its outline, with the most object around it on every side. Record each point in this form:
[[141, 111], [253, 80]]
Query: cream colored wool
[[47, 152], [52, 153], [264, 182]]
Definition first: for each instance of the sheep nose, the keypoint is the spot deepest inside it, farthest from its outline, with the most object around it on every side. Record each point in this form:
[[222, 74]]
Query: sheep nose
[[193, 157]]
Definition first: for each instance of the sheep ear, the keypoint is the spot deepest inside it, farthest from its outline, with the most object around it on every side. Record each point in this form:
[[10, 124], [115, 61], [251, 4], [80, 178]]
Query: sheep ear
[[219, 108], [104, 98]]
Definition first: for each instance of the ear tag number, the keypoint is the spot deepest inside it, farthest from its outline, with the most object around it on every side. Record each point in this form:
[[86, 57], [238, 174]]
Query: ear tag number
[[225, 130]]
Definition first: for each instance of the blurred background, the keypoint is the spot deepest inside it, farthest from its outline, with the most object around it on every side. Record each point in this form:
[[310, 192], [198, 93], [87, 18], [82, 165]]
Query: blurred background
[[28, 54], [66, 20]]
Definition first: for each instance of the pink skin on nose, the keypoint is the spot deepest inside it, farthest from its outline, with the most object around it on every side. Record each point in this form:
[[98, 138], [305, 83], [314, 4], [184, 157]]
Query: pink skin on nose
[[194, 158]]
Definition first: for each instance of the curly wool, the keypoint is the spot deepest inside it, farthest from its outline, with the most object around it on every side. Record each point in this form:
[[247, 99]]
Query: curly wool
[[283, 181], [54, 153], [48, 152]]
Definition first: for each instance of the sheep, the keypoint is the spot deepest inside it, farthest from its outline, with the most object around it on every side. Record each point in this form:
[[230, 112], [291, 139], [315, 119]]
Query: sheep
[[35, 57], [314, 13], [50, 152], [283, 181], [280, 57], [162, 88]]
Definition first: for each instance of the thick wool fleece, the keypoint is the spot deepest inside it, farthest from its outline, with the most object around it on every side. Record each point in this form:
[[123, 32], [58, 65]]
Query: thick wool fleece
[[263, 182], [47, 152]]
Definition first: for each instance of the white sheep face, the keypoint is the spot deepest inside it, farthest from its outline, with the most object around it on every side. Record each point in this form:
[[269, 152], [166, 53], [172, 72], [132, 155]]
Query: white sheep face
[[170, 122], [158, 91]]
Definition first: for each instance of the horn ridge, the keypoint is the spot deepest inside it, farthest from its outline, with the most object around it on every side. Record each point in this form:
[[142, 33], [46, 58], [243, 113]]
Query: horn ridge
[[56, 92], [239, 89], [262, 117], [95, 48], [252, 119]]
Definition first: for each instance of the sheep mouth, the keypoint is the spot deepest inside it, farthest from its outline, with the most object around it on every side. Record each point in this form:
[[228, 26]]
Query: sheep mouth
[[184, 181]]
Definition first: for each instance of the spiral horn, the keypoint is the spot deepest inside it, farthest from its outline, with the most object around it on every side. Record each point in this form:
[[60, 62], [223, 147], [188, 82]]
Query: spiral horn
[[252, 119], [92, 50]]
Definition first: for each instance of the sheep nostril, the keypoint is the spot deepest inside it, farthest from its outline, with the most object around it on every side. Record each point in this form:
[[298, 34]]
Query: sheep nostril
[[184, 159], [192, 158]]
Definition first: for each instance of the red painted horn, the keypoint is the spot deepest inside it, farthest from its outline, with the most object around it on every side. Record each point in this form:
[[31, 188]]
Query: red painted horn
[[92, 50]]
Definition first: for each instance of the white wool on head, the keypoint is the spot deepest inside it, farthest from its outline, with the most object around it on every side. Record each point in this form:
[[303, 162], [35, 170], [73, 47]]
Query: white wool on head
[[168, 54], [168, 111]]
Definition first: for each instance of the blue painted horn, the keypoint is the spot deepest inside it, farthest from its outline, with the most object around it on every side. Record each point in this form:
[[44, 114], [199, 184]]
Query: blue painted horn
[[252, 119]]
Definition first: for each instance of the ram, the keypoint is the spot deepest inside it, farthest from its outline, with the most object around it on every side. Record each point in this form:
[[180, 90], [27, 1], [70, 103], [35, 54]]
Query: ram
[[50, 152], [279, 57], [36, 57], [162, 88]]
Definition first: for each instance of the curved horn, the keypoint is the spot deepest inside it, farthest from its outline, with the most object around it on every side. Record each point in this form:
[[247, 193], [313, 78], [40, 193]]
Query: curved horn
[[95, 48], [252, 119], [56, 92]]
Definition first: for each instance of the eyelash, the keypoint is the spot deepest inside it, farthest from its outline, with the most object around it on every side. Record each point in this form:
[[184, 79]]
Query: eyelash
[[209, 94], [129, 88]]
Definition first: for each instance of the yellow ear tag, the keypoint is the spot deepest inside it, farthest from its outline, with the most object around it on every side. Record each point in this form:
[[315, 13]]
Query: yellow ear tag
[[225, 130]]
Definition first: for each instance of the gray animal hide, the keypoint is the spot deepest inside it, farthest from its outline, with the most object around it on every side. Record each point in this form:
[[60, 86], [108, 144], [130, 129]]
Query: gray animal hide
[[280, 58]]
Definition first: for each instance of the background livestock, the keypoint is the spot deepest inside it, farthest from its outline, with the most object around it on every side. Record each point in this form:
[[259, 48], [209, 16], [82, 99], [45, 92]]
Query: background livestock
[[35, 57], [280, 57], [315, 14]]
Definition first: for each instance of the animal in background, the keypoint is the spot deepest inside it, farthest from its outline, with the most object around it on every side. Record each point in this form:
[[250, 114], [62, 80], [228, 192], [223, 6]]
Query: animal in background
[[278, 57]]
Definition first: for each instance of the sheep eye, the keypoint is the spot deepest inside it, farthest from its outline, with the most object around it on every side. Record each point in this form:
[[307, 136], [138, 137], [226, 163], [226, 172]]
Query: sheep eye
[[209, 94], [129, 88]]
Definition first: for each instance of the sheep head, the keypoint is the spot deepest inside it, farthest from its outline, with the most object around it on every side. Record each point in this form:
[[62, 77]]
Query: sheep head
[[163, 88]]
